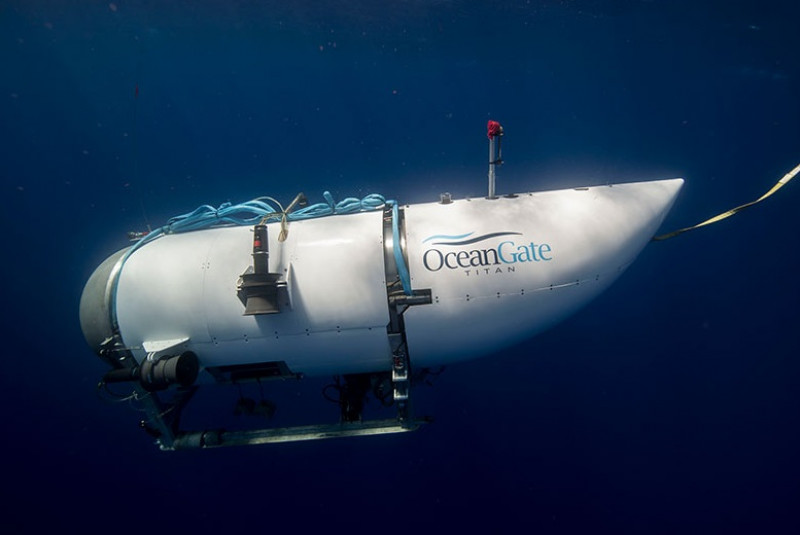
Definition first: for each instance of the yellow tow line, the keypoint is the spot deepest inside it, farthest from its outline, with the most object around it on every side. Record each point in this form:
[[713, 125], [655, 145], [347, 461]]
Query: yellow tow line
[[786, 178]]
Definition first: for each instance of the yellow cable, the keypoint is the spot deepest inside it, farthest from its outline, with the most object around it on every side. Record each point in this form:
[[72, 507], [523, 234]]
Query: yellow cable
[[786, 178]]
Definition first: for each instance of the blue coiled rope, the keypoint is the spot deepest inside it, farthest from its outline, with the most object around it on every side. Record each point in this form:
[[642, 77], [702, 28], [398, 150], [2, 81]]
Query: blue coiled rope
[[251, 212]]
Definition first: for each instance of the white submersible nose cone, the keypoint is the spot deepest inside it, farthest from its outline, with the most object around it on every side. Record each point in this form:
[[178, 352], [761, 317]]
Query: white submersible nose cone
[[503, 270]]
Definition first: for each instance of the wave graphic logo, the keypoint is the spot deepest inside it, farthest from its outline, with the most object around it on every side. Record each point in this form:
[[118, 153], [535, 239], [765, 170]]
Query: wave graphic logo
[[462, 236], [506, 252]]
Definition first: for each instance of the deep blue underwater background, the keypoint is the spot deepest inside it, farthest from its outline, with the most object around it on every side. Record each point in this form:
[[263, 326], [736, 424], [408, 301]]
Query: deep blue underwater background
[[670, 404]]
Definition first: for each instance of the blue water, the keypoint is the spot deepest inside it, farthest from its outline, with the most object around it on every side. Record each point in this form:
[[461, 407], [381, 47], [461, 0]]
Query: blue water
[[669, 405]]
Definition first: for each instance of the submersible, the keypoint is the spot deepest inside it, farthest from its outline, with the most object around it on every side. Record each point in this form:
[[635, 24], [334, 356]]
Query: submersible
[[369, 290]]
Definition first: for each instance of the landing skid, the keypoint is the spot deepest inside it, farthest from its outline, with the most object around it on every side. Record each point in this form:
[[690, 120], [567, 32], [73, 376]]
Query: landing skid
[[163, 421], [215, 439]]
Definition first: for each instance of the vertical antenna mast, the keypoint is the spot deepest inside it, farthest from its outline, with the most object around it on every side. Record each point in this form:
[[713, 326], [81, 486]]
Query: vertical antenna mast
[[495, 135]]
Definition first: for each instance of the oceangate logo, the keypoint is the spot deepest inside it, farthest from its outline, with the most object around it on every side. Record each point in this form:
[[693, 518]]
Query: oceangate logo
[[506, 254]]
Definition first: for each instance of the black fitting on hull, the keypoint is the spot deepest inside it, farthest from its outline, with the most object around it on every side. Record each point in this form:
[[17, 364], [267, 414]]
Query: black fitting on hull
[[258, 290], [159, 374]]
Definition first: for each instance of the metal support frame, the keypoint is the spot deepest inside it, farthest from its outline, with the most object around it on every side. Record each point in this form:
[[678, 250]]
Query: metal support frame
[[163, 423]]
